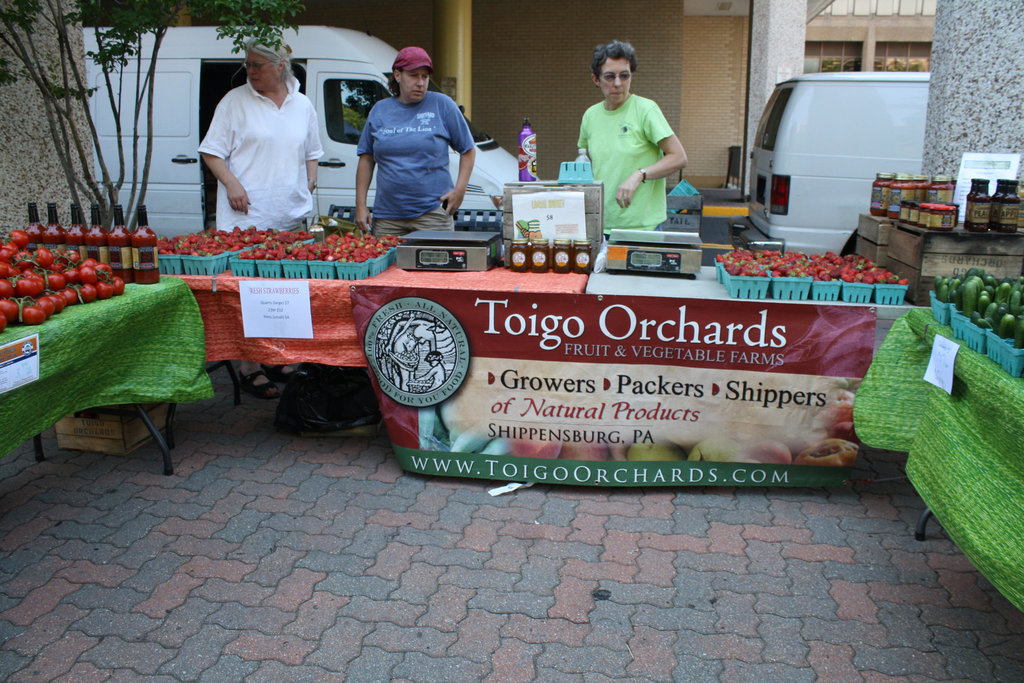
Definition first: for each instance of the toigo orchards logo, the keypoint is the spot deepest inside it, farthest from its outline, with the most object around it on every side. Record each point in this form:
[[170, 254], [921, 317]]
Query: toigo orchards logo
[[418, 350]]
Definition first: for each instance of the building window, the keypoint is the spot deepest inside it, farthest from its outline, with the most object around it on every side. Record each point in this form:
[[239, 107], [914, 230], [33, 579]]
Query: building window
[[820, 55], [903, 56]]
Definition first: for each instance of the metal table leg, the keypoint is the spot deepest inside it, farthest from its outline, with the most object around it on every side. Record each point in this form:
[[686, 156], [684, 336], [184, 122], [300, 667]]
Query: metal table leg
[[37, 444], [922, 522], [157, 436]]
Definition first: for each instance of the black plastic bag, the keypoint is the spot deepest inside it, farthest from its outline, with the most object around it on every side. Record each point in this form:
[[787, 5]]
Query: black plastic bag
[[325, 398]]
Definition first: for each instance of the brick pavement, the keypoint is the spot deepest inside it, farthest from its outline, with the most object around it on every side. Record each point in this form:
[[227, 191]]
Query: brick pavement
[[273, 557]]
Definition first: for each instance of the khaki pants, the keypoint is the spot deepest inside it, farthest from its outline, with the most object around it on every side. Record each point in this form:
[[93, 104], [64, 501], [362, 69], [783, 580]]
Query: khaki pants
[[438, 219]]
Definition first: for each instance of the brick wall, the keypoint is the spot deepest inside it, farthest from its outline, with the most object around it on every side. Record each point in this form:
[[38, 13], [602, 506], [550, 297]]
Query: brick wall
[[713, 95]]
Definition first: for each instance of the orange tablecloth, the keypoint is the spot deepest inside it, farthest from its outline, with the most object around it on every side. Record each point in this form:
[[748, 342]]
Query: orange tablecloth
[[334, 339]]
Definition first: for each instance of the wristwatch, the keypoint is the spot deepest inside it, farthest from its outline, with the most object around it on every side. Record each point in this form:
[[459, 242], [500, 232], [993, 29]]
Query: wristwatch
[[643, 172]]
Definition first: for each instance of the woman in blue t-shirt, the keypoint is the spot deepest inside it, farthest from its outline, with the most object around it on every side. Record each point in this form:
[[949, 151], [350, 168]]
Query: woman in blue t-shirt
[[406, 138]]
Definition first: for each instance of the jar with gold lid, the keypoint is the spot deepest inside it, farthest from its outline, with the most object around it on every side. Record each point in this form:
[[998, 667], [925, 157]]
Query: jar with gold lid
[[518, 258], [581, 256], [561, 256]]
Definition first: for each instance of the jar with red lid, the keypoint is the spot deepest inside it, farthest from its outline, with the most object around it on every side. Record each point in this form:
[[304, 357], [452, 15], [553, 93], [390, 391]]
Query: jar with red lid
[[935, 216], [880, 193]]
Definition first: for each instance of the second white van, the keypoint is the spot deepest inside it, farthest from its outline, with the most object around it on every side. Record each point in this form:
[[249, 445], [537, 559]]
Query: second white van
[[344, 73], [820, 142]]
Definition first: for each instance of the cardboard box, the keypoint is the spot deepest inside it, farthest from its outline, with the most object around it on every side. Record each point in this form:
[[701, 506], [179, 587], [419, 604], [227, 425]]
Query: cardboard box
[[100, 432], [593, 207]]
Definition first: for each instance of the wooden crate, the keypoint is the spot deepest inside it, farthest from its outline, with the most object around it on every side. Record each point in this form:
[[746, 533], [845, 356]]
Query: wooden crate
[[873, 236], [593, 207], [104, 433], [921, 255]]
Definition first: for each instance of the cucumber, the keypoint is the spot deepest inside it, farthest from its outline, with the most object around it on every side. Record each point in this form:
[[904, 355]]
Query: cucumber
[[1018, 333], [1007, 325]]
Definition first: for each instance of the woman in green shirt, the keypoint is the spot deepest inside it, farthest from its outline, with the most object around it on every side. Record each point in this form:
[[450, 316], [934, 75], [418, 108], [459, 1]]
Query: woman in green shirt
[[632, 147]]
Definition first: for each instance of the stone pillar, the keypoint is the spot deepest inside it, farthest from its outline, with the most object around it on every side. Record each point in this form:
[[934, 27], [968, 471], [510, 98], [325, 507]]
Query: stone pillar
[[778, 29], [977, 83], [453, 50]]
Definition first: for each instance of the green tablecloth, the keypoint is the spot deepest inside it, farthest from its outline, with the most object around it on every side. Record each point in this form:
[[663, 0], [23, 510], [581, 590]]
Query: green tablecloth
[[146, 346], [965, 451]]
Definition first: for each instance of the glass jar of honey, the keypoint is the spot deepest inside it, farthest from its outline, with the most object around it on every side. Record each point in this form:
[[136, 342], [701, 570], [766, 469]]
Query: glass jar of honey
[[561, 256], [581, 256], [540, 256], [518, 257]]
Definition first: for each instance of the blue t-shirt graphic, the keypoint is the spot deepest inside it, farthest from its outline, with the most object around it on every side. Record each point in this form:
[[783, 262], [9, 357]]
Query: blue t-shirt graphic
[[409, 144]]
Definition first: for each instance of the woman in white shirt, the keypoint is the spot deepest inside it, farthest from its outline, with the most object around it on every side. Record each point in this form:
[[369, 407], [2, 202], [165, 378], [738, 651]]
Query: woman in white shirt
[[263, 146]]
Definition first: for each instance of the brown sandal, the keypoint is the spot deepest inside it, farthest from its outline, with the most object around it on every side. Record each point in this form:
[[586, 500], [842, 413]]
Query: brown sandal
[[266, 390]]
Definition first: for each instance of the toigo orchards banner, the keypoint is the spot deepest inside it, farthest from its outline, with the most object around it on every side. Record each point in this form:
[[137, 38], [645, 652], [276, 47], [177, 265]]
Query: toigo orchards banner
[[616, 390]]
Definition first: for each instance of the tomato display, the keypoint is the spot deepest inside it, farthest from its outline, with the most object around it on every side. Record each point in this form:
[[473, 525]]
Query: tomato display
[[36, 283]]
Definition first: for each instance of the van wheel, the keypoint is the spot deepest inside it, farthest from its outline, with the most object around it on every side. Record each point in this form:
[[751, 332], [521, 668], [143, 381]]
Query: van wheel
[[851, 245]]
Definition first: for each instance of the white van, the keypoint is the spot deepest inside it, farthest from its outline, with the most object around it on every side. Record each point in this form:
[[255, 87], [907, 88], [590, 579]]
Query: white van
[[344, 72], [821, 140]]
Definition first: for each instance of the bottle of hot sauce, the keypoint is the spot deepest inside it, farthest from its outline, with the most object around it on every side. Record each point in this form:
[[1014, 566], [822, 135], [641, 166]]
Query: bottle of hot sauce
[[144, 257], [120, 242], [53, 233], [34, 229], [96, 238], [74, 234]]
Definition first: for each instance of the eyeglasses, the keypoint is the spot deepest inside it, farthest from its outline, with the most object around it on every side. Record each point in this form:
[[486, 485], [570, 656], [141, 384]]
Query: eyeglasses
[[254, 66], [610, 77]]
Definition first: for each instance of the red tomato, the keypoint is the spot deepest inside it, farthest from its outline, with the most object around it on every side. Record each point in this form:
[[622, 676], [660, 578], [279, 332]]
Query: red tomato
[[71, 275], [70, 296], [33, 315], [7, 252], [7, 270], [87, 293], [3, 323], [44, 257], [89, 262], [87, 275], [6, 289], [56, 282], [58, 302], [29, 286], [9, 310], [104, 290], [19, 237], [118, 286], [45, 303], [104, 266]]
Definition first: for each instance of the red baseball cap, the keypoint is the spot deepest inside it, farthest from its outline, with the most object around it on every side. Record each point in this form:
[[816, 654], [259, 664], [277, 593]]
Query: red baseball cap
[[410, 58]]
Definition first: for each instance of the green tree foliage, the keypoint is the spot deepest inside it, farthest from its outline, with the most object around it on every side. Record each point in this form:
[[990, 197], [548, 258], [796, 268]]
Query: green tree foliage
[[42, 36]]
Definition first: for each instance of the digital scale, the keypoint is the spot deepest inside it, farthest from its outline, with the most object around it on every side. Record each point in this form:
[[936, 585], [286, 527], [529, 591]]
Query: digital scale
[[648, 251], [459, 250]]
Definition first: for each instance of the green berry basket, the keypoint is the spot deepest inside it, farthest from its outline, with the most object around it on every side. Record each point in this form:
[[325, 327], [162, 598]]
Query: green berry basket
[[1001, 351], [857, 292], [323, 270], [826, 290], [169, 264], [351, 270], [747, 286], [890, 295], [269, 268], [243, 267], [791, 288], [295, 270]]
